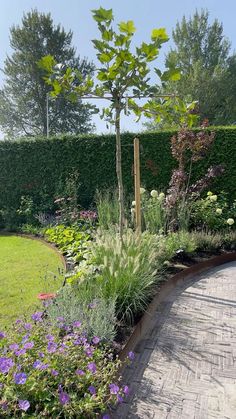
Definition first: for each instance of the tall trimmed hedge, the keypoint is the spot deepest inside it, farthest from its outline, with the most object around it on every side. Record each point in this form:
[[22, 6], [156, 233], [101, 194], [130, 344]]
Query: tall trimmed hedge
[[37, 167]]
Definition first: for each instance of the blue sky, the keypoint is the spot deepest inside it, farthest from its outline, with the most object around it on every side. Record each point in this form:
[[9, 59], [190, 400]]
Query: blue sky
[[147, 14]]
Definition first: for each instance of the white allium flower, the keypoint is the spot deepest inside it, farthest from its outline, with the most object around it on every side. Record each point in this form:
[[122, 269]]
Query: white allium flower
[[142, 190], [133, 203], [213, 198], [230, 221], [162, 195], [154, 193], [218, 211]]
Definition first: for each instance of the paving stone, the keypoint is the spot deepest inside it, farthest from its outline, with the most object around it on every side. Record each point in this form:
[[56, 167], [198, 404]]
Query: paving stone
[[186, 365]]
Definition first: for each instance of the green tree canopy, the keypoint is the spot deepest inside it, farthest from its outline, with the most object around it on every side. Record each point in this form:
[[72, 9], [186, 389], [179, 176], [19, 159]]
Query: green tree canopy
[[202, 52], [23, 97]]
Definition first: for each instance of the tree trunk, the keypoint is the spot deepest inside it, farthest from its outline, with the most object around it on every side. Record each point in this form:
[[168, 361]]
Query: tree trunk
[[119, 171]]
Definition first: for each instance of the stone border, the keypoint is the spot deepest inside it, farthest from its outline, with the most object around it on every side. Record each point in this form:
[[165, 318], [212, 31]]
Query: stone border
[[50, 245], [145, 324]]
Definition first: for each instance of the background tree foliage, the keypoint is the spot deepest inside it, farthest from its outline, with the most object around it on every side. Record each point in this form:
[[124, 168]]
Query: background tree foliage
[[23, 97], [208, 71]]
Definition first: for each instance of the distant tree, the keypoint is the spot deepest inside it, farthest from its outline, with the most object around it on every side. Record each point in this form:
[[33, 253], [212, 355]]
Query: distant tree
[[23, 97], [202, 53]]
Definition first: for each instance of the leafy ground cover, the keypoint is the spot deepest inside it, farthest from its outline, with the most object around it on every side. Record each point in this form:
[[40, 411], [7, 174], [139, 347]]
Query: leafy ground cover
[[27, 268]]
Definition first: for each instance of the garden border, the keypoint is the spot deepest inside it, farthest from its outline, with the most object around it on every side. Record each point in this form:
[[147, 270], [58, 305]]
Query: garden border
[[40, 239], [145, 324]]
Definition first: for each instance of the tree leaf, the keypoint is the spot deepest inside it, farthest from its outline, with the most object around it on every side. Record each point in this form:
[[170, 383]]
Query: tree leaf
[[127, 27], [102, 15], [160, 35]]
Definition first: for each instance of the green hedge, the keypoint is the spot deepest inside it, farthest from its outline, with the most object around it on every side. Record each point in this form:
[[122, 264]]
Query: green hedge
[[36, 167]]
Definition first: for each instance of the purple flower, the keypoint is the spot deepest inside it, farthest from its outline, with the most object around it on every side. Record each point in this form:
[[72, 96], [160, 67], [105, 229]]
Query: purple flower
[[37, 317], [28, 326], [80, 372], [89, 351], [92, 367], [18, 321], [28, 345], [126, 390], [43, 366], [13, 347], [5, 365], [2, 335], [77, 324], [24, 405], [25, 338], [20, 352], [131, 355], [37, 364], [60, 319], [114, 389], [120, 398], [3, 405], [54, 373], [63, 396], [106, 416], [20, 378], [49, 337], [52, 347], [96, 340], [92, 390], [41, 354]]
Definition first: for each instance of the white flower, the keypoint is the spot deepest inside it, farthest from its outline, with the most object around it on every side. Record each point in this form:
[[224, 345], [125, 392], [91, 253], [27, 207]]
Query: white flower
[[142, 190], [218, 211], [162, 195], [230, 221], [213, 198], [154, 193], [133, 203]]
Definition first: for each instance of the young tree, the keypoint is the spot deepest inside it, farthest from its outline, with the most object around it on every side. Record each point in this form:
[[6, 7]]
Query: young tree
[[122, 72], [23, 97]]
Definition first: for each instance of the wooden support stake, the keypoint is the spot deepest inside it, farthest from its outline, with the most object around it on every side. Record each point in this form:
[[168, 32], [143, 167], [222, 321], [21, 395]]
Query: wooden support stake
[[137, 185]]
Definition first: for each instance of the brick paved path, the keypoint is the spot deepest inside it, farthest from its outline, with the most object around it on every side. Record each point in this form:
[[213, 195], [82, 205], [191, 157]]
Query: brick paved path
[[186, 366]]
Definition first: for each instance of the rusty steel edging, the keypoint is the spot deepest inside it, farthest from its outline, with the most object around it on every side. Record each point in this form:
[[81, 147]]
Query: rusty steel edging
[[145, 324]]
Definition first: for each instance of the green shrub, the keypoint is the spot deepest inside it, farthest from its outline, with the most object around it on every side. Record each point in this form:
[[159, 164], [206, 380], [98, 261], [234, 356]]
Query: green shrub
[[55, 372], [207, 241], [173, 243], [213, 212]]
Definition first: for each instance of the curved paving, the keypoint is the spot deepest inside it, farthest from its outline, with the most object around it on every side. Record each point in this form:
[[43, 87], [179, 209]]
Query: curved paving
[[186, 366]]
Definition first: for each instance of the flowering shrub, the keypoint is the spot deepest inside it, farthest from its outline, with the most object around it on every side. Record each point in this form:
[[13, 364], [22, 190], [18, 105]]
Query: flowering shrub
[[55, 372], [213, 213]]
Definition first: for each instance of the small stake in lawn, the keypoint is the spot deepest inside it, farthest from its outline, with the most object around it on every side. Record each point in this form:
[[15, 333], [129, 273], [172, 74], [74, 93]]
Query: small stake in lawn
[[137, 186]]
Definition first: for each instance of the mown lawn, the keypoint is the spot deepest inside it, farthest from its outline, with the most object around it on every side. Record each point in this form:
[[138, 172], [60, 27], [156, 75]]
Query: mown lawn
[[27, 267]]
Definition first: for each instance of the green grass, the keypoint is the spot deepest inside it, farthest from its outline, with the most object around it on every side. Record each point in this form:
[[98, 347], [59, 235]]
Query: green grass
[[27, 267]]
